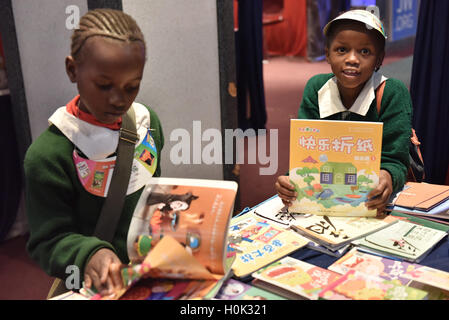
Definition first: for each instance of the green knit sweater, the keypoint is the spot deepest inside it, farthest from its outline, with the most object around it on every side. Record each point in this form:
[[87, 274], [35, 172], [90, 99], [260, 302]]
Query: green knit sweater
[[395, 113], [61, 214]]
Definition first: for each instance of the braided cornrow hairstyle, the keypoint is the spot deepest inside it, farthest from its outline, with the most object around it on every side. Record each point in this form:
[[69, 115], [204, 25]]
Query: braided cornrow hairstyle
[[109, 23]]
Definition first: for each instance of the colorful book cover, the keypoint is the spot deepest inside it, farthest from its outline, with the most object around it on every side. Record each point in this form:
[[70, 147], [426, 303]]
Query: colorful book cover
[[335, 232], [355, 285], [404, 272], [195, 212], [373, 265], [405, 240], [256, 242], [236, 290], [334, 165], [168, 272], [296, 276], [178, 232]]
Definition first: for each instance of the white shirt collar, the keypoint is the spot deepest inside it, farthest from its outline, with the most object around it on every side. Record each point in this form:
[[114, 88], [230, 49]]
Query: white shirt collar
[[94, 141], [329, 100]]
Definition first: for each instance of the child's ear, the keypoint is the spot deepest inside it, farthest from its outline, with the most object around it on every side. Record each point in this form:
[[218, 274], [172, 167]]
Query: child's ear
[[326, 52], [380, 60], [70, 68]]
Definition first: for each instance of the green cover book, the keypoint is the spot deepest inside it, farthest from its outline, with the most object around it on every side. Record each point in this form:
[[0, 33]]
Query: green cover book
[[404, 240]]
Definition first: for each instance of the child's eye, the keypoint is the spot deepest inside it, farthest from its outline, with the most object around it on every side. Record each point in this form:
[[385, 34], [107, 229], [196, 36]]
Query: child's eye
[[341, 50], [365, 51], [132, 89], [104, 86]]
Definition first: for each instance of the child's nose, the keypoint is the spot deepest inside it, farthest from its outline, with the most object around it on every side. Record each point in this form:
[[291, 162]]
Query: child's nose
[[352, 57], [117, 98]]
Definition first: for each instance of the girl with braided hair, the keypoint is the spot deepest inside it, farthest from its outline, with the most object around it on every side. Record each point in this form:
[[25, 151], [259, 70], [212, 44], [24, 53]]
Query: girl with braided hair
[[68, 165]]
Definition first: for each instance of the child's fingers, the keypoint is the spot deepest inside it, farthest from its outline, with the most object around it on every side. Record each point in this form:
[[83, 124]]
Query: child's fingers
[[284, 182], [378, 200], [87, 281], [116, 277], [95, 278], [104, 272]]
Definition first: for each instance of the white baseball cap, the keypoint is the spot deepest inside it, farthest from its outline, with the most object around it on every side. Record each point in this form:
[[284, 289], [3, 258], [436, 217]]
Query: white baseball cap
[[364, 16]]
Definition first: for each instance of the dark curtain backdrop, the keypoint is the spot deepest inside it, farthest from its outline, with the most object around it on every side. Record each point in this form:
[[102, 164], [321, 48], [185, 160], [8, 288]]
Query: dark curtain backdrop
[[10, 173], [429, 88], [249, 55]]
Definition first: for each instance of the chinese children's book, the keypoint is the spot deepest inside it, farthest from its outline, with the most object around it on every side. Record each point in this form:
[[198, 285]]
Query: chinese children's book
[[256, 242], [355, 285], [434, 281], [292, 276], [334, 165], [337, 232], [177, 239], [403, 240], [236, 290]]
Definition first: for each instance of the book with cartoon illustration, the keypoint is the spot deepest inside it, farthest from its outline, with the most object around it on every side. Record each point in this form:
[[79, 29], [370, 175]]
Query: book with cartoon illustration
[[355, 285], [294, 279], [236, 290], [195, 212], [334, 165], [178, 235], [434, 281], [255, 242], [336, 232]]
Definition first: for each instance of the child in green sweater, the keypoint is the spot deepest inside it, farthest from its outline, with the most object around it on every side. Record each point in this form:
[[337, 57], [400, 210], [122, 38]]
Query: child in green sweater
[[355, 50], [67, 166]]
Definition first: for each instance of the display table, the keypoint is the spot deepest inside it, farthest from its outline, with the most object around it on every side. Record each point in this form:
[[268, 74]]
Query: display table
[[438, 258]]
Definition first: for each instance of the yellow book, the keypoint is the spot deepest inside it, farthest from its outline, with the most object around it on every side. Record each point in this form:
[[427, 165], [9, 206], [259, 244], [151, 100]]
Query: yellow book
[[256, 243], [334, 165]]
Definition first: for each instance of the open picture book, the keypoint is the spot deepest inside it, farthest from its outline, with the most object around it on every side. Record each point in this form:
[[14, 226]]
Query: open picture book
[[334, 165], [177, 239]]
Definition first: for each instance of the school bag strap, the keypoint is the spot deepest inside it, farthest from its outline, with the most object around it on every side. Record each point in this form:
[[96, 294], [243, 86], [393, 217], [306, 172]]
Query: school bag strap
[[115, 199], [415, 172]]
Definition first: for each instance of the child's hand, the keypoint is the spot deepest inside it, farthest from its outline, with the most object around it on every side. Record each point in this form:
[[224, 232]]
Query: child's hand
[[381, 194], [285, 190], [103, 270]]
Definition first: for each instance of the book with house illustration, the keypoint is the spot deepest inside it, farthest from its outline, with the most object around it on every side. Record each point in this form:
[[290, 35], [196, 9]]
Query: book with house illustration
[[179, 233], [334, 165], [256, 242], [294, 279]]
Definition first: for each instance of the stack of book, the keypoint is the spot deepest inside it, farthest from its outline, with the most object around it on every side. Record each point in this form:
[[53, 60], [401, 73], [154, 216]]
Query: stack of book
[[425, 200]]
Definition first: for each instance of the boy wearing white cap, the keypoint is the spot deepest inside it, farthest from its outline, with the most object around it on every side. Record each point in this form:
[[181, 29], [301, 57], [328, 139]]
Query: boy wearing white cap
[[355, 49]]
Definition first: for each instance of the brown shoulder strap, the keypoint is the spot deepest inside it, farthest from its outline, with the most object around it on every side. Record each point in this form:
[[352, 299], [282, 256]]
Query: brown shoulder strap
[[113, 205], [379, 94]]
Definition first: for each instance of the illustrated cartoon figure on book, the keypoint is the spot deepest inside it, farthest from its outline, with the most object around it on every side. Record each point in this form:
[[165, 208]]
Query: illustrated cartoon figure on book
[[171, 215]]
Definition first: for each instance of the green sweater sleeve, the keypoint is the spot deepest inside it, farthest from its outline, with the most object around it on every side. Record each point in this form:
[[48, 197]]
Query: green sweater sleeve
[[396, 115]]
